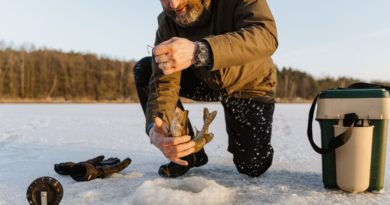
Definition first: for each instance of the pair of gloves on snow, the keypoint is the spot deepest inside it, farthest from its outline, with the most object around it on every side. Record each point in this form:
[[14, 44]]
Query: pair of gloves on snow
[[97, 167]]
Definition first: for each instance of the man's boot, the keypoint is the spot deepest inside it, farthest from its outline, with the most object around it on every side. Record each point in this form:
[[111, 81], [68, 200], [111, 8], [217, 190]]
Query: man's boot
[[172, 170]]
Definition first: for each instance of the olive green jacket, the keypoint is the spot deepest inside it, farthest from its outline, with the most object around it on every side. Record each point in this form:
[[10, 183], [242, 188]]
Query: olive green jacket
[[242, 37]]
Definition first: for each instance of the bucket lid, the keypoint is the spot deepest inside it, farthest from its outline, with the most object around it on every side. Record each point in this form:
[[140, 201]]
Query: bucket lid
[[355, 93], [366, 103]]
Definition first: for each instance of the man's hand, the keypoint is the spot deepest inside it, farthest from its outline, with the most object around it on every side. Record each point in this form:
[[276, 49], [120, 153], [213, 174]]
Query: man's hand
[[173, 148], [174, 55]]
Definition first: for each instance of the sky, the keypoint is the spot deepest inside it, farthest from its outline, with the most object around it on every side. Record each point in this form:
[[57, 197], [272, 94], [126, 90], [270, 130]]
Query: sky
[[323, 38]]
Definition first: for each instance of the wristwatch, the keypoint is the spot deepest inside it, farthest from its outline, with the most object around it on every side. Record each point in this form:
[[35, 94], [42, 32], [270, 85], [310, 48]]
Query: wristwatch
[[202, 55]]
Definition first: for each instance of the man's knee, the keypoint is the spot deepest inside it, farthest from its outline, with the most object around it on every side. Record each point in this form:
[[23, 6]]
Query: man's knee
[[253, 166], [143, 70]]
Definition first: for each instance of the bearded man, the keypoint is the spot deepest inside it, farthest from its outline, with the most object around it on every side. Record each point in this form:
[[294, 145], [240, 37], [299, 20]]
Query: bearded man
[[212, 50]]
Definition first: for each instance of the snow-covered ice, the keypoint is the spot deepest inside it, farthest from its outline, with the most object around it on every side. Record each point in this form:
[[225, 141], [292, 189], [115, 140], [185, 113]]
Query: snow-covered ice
[[33, 137]]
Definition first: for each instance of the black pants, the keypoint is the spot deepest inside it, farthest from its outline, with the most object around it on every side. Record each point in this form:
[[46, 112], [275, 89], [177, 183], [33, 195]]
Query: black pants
[[248, 122]]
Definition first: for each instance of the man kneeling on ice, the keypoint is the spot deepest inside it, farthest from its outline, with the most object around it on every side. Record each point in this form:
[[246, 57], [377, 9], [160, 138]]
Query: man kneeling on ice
[[212, 50]]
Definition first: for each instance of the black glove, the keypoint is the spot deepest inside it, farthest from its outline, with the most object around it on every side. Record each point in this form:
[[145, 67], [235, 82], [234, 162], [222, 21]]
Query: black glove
[[92, 168]]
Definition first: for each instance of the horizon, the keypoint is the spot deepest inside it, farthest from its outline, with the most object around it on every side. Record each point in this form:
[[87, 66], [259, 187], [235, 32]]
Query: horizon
[[337, 39]]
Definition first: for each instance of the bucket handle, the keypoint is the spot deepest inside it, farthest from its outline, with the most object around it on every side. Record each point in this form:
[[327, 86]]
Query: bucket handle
[[369, 85], [335, 142], [341, 139]]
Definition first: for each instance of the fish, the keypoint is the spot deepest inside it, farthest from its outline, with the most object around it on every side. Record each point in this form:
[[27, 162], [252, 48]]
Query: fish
[[179, 127]]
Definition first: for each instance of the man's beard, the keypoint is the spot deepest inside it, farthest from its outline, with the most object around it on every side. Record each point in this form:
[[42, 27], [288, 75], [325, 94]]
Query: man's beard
[[197, 12]]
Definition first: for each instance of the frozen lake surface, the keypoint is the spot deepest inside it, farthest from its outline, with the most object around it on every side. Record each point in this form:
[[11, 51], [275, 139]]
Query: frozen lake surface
[[33, 137]]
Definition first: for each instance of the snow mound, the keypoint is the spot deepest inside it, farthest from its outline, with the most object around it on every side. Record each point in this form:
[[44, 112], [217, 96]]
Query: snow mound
[[191, 190]]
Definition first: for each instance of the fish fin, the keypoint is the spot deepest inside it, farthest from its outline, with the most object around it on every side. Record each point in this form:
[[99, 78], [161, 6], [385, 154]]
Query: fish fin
[[213, 115], [184, 122], [196, 131], [209, 137], [206, 114]]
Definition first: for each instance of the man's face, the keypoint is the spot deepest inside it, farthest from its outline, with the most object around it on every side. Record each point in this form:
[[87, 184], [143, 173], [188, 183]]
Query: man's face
[[183, 12]]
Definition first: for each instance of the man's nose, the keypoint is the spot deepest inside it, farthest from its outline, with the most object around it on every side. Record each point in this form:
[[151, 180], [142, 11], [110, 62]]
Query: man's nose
[[174, 3]]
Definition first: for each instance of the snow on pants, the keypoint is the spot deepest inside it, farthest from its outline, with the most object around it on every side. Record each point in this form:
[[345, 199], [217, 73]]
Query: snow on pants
[[248, 122]]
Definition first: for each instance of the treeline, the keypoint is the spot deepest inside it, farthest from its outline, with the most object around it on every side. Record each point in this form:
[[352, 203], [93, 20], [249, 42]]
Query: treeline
[[49, 75], [296, 85]]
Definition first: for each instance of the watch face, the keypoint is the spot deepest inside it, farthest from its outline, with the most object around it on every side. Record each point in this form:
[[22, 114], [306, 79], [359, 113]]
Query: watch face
[[44, 190], [201, 54], [203, 57]]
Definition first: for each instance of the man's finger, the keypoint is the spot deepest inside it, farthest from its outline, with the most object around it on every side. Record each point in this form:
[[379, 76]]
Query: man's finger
[[158, 125], [179, 161], [180, 151], [166, 66], [182, 147], [161, 49], [185, 152], [161, 58], [158, 122], [171, 141], [182, 139], [167, 69], [179, 155]]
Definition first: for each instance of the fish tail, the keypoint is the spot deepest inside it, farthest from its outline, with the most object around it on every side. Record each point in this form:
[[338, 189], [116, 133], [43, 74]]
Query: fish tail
[[208, 117]]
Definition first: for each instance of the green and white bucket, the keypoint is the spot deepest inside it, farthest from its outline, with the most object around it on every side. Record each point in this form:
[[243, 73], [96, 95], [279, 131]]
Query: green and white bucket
[[353, 155]]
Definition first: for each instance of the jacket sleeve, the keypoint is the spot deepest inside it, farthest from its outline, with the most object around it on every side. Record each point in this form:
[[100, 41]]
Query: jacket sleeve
[[163, 89], [255, 36]]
